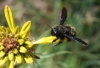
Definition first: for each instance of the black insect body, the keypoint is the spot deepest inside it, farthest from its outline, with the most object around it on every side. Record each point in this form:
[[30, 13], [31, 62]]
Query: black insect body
[[61, 31]]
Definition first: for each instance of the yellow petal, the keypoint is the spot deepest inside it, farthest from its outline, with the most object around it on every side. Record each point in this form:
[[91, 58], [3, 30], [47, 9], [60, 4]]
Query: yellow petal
[[9, 18], [19, 58], [28, 58], [11, 64], [26, 26], [47, 40], [3, 60]]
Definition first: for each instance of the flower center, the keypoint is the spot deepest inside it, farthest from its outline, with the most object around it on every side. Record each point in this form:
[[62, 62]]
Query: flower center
[[10, 43]]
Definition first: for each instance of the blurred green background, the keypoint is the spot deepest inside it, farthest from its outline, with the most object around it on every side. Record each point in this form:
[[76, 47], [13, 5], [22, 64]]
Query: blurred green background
[[84, 15]]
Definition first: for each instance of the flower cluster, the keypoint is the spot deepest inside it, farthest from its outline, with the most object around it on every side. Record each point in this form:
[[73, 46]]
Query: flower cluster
[[14, 43]]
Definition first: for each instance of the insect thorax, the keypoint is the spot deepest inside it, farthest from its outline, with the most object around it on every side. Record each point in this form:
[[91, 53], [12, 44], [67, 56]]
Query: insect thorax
[[71, 30]]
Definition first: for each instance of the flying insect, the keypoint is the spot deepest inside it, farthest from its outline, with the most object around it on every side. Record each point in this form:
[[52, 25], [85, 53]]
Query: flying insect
[[65, 31]]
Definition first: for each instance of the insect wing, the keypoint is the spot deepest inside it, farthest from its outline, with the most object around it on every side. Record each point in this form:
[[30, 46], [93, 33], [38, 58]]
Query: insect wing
[[63, 16], [76, 39]]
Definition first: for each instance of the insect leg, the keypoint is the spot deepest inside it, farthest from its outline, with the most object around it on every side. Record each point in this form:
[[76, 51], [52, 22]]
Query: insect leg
[[61, 40], [55, 40]]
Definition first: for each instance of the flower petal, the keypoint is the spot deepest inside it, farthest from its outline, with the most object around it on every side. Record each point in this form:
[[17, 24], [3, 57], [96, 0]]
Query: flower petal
[[47, 40], [11, 64], [26, 26], [9, 18]]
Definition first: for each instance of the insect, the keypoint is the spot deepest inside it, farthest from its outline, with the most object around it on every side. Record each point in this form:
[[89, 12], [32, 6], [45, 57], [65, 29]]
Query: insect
[[61, 31]]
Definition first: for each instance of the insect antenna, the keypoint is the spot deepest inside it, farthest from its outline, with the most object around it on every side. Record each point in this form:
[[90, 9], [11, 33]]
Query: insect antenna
[[48, 25], [51, 28]]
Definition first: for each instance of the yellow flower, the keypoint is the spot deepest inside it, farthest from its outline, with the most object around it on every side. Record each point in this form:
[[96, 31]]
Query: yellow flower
[[14, 43]]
